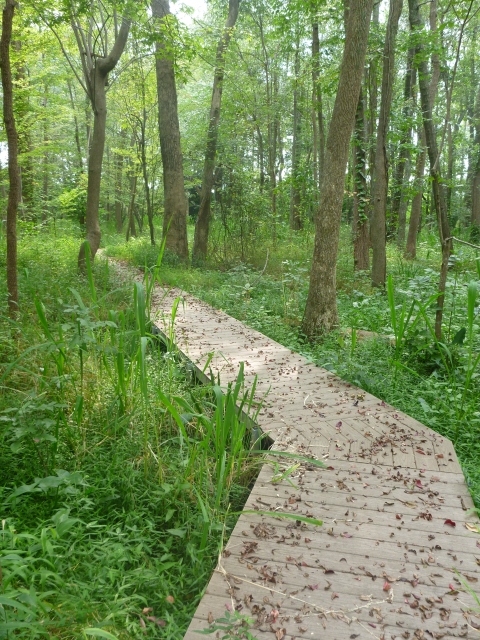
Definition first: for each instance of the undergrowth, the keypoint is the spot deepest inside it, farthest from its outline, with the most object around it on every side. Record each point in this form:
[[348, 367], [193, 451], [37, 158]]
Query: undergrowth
[[119, 477]]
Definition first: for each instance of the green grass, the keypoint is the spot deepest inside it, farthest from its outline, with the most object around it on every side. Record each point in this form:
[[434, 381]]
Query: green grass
[[413, 376], [116, 487]]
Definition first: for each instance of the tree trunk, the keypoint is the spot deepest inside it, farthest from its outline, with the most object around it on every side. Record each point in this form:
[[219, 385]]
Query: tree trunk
[[475, 214], [373, 103], [321, 314], [432, 150], [361, 254], [200, 244], [46, 168], [118, 183], [175, 216], [404, 153], [131, 230], [402, 210], [77, 132], [97, 84], [21, 110], [12, 140], [378, 230], [295, 221], [317, 103]]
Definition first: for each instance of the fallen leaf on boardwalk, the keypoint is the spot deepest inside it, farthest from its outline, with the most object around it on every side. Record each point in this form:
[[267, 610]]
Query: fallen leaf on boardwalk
[[280, 633], [398, 516], [307, 540], [419, 484], [387, 586], [412, 505], [346, 535], [210, 617], [147, 610], [329, 571], [228, 607], [478, 544], [275, 613], [470, 578], [422, 452], [365, 598], [451, 523], [329, 584], [338, 425], [439, 455], [331, 468], [335, 595], [471, 527], [170, 599], [313, 587]]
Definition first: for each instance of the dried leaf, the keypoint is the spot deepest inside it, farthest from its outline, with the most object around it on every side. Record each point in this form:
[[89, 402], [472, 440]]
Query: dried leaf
[[471, 527], [313, 587], [210, 618], [147, 610], [419, 484], [228, 607], [335, 595], [387, 586], [170, 599], [280, 633], [451, 523]]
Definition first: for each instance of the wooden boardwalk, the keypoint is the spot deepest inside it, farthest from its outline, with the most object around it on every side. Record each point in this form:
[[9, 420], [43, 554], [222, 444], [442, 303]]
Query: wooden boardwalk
[[393, 501]]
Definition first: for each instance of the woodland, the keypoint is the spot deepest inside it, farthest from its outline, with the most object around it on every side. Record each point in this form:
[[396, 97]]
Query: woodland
[[311, 167]]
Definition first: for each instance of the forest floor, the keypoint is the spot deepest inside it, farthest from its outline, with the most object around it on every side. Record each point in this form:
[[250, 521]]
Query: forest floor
[[107, 522]]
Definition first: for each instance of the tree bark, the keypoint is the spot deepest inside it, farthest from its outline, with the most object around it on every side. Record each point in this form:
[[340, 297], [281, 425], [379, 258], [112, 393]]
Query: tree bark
[[404, 153], [77, 132], [295, 221], [318, 103], [175, 206], [378, 230], [96, 79], [432, 150], [475, 212], [373, 103], [12, 140], [200, 244], [361, 254], [321, 314], [131, 230]]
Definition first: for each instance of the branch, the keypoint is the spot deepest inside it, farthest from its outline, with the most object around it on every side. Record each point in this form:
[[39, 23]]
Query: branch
[[108, 64], [463, 242]]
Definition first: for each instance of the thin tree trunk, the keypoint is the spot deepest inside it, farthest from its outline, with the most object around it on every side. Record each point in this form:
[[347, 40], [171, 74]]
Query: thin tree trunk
[[378, 230], [200, 244], [175, 216], [97, 83], [118, 183], [317, 103], [402, 210], [77, 132], [131, 230], [373, 103], [295, 193], [432, 150], [475, 212], [361, 254], [45, 158], [321, 314], [21, 109], [404, 153], [12, 140]]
